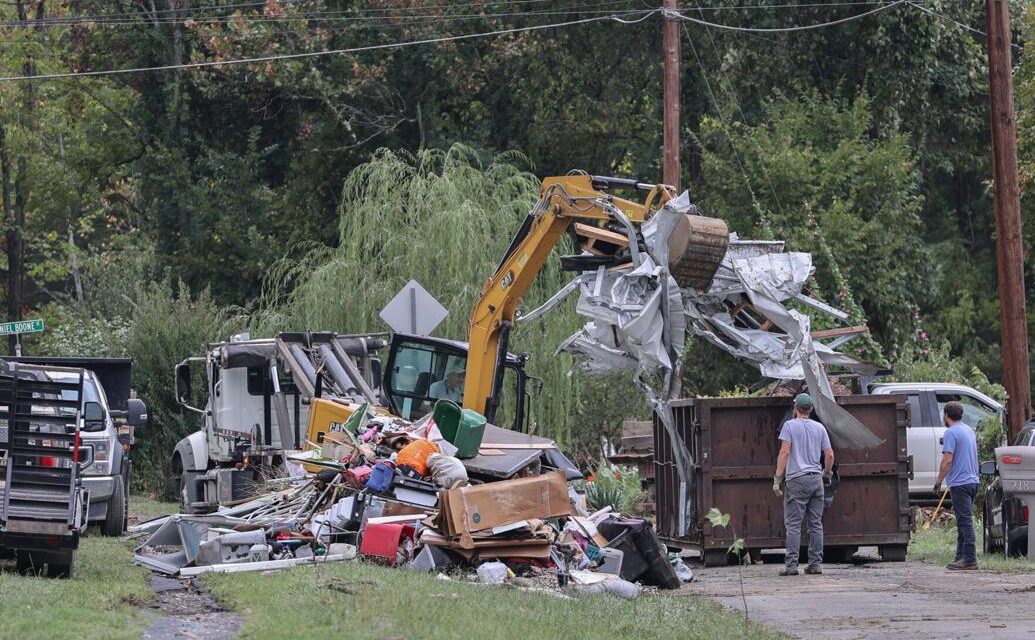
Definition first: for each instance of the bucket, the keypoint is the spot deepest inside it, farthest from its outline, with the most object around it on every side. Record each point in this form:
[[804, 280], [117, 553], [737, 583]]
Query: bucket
[[463, 428]]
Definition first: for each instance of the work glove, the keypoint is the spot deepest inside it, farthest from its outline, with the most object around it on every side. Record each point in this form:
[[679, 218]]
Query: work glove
[[828, 475], [777, 480], [937, 488]]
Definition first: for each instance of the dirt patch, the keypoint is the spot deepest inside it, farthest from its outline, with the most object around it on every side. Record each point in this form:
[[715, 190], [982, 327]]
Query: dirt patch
[[188, 611], [877, 601]]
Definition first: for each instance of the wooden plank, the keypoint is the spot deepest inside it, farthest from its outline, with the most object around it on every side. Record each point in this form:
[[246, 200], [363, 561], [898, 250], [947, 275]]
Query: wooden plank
[[840, 331], [596, 233], [517, 446], [638, 428]]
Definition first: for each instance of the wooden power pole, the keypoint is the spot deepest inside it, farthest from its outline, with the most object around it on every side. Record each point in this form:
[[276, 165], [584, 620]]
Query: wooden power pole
[[670, 123], [1009, 246]]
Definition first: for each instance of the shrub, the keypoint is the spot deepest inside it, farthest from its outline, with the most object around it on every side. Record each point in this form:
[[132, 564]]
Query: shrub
[[617, 487], [167, 326]]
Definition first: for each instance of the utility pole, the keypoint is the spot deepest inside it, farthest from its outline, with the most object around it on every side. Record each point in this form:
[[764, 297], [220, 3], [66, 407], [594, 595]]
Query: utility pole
[[1009, 247], [670, 123]]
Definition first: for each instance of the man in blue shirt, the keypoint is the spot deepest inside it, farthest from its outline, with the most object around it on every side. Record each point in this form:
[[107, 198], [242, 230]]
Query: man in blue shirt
[[959, 469]]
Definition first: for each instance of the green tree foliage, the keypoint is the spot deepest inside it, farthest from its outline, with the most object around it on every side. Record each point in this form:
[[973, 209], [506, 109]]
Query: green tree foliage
[[444, 219], [165, 327], [864, 143], [827, 185]]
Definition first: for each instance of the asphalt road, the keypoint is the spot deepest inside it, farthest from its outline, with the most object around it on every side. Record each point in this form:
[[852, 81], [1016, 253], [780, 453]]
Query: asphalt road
[[877, 601]]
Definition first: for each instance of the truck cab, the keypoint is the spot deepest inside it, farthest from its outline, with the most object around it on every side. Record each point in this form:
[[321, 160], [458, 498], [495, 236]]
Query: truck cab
[[109, 417], [417, 370], [925, 433], [103, 457], [255, 405]]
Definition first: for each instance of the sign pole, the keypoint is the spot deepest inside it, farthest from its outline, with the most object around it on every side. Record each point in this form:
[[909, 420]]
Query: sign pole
[[413, 311]]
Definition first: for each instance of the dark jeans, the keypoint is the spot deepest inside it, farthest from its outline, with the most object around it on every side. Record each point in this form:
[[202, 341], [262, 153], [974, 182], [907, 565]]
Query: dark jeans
[[963, 504], [803, 500]]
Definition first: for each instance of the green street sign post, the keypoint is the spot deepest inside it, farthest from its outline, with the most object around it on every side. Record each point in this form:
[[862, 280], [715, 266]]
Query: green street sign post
[[22, 326], [18, 328]]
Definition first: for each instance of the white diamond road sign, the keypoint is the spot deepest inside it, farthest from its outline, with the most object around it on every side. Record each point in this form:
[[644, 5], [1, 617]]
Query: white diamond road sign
[[413, 310], [23, 326]]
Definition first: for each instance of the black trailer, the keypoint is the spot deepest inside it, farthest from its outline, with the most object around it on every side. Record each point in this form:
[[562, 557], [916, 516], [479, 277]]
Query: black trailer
[[43, 507]]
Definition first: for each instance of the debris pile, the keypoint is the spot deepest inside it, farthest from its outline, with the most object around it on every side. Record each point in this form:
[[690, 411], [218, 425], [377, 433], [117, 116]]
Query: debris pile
[[483, 501]]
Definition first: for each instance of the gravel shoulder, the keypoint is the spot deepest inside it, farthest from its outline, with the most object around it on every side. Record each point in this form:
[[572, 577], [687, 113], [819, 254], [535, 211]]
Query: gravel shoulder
[[877, 601]]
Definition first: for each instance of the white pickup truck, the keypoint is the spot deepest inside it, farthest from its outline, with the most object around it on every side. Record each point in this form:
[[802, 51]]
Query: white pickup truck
[[926, 430]]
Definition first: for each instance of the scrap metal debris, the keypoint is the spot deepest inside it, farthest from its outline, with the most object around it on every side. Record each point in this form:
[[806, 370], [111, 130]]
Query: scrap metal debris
[[639, 316], [399, 496], [690, 277]]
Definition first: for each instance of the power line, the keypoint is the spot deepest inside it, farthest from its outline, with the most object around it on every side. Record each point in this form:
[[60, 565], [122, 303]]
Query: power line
[[314, 54], [733, 96], [180, 15], [961, 25], [722, 120], [821, 25]]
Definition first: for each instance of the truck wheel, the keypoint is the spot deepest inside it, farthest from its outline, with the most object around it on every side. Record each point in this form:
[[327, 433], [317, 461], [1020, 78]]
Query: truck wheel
[[26, 564], [63, 568], [115, 522]]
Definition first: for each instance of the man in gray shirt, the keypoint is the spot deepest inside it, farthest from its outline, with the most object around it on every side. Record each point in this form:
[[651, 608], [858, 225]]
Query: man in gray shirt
[[807, 459]]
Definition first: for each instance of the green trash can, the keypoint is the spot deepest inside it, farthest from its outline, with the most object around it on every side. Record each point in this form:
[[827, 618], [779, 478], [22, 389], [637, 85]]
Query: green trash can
[[463, 428]]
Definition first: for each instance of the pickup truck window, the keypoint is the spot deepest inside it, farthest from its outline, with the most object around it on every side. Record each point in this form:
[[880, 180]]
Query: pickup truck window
[[89, 395], [915, 418], [1023, 439], [973, 410]]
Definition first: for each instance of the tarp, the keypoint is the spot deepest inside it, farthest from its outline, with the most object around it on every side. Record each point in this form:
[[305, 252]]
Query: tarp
[[232, 356]]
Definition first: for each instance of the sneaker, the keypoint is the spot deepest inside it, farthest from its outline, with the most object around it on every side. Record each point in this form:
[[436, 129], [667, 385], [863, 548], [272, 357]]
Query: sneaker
[[788, 571], [814, 570], [962, 566]]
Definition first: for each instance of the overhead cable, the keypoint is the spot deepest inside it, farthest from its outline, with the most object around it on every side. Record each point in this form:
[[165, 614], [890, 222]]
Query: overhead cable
[[676, 15], [315, 54]]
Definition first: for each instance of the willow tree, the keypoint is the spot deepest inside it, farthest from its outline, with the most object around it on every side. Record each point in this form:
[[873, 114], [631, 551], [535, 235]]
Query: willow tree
[[443, 218]]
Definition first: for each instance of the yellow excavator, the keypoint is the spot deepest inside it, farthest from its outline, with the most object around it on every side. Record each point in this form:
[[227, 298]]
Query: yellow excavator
[[420, 369]]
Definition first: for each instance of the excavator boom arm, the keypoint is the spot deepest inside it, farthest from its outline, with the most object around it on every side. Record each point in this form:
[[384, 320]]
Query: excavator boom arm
[[562, 201]]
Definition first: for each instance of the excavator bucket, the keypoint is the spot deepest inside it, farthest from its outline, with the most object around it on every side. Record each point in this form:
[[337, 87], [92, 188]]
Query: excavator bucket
[[696, 249]]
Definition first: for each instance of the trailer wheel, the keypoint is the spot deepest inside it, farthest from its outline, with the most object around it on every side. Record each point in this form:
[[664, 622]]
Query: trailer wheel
[[893, 553], [1009, 550], [26, 564], [115, 522], [63, 568]]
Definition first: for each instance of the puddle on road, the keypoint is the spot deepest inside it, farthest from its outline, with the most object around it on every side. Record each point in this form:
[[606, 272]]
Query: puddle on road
[[188, 611]]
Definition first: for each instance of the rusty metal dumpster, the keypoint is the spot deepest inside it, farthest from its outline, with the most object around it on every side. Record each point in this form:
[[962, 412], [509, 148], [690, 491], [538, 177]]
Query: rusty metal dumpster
[[734, 443]]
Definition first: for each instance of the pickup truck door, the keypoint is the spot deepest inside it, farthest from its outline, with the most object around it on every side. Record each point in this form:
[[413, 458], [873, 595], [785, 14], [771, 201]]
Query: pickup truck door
[[922, 441], [974, 410]]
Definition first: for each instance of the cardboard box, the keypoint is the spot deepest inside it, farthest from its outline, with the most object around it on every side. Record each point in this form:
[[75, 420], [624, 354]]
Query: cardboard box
[[488, 548], [466, 510]]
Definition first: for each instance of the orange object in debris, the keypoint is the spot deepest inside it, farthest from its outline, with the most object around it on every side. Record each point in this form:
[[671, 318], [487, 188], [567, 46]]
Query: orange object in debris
[[415, 455]]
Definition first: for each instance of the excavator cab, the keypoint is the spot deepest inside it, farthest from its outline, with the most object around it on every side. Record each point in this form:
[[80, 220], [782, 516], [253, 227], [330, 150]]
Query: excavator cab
[[422, 370]]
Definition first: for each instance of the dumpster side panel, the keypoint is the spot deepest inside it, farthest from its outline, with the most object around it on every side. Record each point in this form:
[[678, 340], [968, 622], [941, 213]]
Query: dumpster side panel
[[734, 443]]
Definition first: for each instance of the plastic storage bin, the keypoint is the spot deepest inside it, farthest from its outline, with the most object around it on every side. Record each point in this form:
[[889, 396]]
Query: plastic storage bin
[[463, 428]]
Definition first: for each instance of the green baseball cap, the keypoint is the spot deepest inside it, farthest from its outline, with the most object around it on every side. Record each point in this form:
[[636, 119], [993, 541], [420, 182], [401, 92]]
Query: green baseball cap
[[803, 401]]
